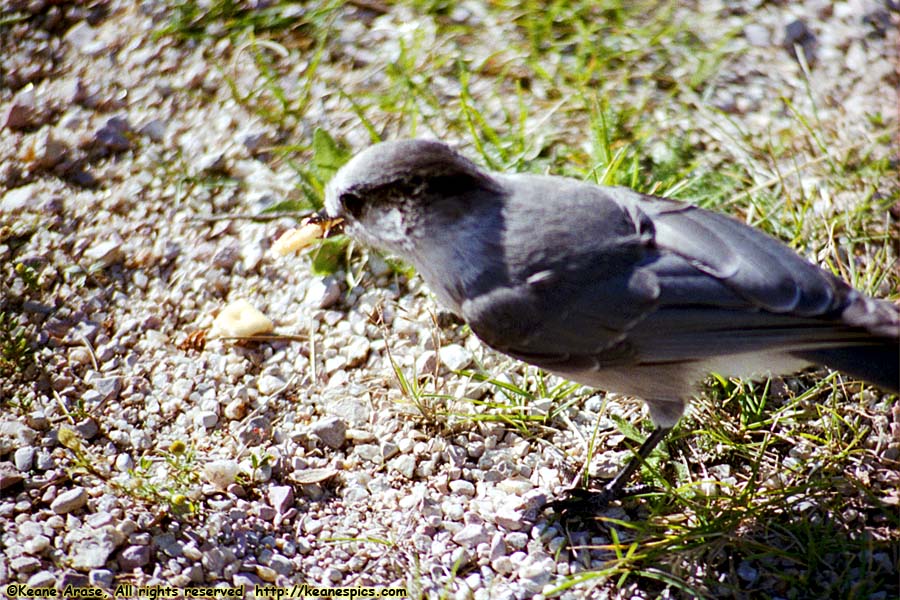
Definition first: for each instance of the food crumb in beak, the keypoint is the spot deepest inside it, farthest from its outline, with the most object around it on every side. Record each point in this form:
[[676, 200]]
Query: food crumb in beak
[[298, 238]]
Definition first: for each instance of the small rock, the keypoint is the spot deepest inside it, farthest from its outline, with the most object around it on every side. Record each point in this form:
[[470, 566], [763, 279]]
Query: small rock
[[498, 547], [154, 129], [426, 362], [281, 497], [225, 258], [331, 430], [256, 431], [20, 198], [37, 544], [9, 475], [211, 162], [83, 38], [534, 576], [509, 518], [757, 35], [503, 565], [101, 578], [236, 409], [69, 501], [113, 137], [25, 564], [351, 407], [90, 548], [389, 450], [214, 560], [269, 384], [462, 487], [206, 419], [41, 579], [746, 572], [405, 465], [471, 535], [48, 151], [281, 565], [105, 253], [24, 458], [76, 580], [455, 357], [370, 452], [87, 428], [22, 112], [124, 462], [221, 473], [356, 351], [312, 526], [323, 293]]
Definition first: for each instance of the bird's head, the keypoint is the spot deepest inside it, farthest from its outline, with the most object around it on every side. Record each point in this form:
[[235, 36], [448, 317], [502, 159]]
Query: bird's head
[[394, 193]]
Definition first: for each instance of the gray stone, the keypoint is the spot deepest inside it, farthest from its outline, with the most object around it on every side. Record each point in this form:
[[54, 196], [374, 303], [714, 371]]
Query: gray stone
[[19, 199], [269, 384], [104, 252], [331, 430], [757, 35], [113, 136], [405, 465], [356, 351], [323, 293], [22, 110], [345, 403], [206, 419], [37, 544], [155, 129], [90, 548], [389, 450], [211, 162], [9, 475], [370, 452], [69, 501], [41, 579], [471, 535], [101, 578], [509, 517], [462, 487], [256, 431], [281, 497], [134, 557], [76, 580], [25, 564], [225, 258], [44, 460], [24, 458], [455, 357], [87, 428], [281, 565], [48, 151]]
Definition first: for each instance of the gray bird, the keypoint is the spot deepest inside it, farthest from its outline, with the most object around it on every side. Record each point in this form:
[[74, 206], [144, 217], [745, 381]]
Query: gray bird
[[608, 287]]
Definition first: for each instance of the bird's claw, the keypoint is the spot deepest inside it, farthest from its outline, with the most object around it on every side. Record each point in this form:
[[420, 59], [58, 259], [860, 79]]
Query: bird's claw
[[582, 502]]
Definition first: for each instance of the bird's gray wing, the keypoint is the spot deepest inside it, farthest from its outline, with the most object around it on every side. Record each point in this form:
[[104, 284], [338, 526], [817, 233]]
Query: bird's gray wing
[[686, 284]]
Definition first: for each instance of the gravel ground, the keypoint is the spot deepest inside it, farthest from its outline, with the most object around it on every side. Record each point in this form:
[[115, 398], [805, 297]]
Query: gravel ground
[[297, 459]]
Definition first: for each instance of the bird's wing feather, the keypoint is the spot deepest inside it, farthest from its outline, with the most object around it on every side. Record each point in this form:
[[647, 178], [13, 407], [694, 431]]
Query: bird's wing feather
[[684, 285]]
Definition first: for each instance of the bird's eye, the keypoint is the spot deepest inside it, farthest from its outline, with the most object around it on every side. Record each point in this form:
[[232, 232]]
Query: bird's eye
[[352, 203]]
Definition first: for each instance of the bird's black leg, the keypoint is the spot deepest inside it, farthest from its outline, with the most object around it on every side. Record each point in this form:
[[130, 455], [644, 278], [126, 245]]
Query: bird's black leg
[[586, 502]]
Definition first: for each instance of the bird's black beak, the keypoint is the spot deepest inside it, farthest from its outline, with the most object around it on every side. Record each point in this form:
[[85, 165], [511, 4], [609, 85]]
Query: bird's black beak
[[329, 225]]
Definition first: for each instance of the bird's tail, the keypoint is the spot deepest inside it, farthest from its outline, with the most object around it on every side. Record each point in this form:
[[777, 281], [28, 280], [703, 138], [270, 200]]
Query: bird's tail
[[878, 363]]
